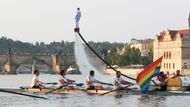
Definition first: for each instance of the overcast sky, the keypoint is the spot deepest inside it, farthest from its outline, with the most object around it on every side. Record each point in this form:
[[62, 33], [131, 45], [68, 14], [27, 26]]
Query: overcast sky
[[102, 20]]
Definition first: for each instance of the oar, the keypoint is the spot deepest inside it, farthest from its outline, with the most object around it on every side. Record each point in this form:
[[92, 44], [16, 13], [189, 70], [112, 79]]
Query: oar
[[76, 84], [117, 89], [23, 94], [106, 83], [102, 58], [60, 87], [49, 83], [109, 92]]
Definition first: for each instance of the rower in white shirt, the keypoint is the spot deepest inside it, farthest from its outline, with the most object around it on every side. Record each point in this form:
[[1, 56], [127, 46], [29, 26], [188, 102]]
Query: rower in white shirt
[[119, 82], [160, 81], [36, 83], [91, 80], [64, 80]]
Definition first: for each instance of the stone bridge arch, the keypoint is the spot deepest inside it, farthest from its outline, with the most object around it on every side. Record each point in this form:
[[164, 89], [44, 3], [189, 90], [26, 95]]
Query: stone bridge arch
[[15, 60], [35, 65]]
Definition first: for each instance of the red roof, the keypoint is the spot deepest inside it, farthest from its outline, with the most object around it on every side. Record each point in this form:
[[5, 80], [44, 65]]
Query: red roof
[[173, 34], [183, 32]]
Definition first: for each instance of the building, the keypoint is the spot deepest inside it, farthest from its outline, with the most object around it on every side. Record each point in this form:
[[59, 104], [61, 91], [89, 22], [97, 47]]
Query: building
[[174, 46], [143, 45]]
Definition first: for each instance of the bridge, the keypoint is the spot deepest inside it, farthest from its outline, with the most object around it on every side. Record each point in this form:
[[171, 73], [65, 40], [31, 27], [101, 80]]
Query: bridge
[[10, 62]]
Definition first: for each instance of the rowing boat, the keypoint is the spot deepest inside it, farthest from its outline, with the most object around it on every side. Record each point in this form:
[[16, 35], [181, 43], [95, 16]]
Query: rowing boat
[[80, 91], [177, 84], [184, 88]]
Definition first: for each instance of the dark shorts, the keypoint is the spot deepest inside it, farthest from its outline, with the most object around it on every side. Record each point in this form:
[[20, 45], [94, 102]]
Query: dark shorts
[[91, 88], [121, 88], [161, 89], [36, 86]]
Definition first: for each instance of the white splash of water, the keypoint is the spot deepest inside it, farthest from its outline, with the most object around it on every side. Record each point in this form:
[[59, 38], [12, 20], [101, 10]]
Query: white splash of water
[[82, 59]]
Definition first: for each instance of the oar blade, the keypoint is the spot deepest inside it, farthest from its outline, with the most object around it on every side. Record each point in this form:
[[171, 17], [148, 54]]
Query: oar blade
[[107, 92], [103, 83], [23, 94], [60, 87], [79, 84], [50, 83]]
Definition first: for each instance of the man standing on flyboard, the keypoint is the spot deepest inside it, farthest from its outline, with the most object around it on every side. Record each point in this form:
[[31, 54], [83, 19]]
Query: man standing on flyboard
[[77, 18]]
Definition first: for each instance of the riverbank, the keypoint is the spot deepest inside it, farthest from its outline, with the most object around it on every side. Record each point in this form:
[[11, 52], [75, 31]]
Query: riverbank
[[129, 71], [124, 71]]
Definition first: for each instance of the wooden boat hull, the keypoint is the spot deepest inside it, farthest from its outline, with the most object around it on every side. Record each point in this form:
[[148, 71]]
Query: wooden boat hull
[[176, 84], [173, 88], [59, 91], [78, 91], [179, 84]]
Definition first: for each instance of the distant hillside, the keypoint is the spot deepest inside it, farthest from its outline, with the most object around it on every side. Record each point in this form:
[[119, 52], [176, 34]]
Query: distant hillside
[[64, 47]]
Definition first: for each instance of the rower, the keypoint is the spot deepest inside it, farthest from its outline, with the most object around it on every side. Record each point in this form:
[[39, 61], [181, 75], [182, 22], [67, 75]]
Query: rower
[[63, 80], [91, 80], [160, 81], [36, 83], [118, 82], [178, 74]]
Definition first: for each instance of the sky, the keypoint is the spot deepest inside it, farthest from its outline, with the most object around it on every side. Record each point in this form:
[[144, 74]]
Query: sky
[[101, 20]]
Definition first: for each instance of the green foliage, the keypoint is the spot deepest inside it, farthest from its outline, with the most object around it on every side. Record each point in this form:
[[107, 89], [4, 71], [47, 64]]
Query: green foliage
[[144, 60], [39, 47], [109, 51], [130, 56]]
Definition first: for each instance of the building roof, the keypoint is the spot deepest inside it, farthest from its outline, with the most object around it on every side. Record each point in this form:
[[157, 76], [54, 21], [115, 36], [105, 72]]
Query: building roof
[[173, 34]]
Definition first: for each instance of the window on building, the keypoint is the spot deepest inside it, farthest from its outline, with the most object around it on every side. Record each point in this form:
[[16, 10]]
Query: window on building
[[164, 55], [166, 65], [173, 65], [167, 55], [169, 65], [170, 55]]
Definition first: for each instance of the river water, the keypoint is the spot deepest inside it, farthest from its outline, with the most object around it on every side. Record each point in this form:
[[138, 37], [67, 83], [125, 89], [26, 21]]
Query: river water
[[80, 100]]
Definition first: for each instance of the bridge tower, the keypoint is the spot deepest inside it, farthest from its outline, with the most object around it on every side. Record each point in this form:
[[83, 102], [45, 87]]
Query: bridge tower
[[34, 66], [9, 67], [55, 65]]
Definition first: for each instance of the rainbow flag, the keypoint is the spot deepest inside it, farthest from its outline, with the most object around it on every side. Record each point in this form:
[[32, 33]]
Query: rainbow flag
[[144, 77]]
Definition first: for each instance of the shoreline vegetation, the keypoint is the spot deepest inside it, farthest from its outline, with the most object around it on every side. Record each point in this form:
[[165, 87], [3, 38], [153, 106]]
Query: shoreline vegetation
[[120, 54]]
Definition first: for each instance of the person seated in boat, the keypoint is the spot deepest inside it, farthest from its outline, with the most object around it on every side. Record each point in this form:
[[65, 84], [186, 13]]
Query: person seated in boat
[[119, 83], [161, 81], [178, 74], [91, 80], [168, 74], [36, 83], [63, 80]]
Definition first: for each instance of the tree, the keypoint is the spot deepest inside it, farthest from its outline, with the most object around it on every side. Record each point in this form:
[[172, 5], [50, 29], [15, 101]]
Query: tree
[[135, 55], [150, 54], [144, 60], [112, 56]]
